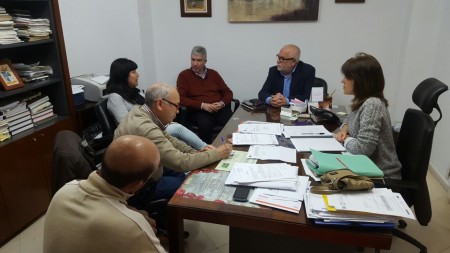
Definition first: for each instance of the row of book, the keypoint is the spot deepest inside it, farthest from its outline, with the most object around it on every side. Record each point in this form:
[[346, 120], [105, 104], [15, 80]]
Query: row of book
[[17, 25], [19, 116]]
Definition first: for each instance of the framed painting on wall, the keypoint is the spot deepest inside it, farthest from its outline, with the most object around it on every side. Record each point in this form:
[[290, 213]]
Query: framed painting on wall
[[272, 10], [195, 8]]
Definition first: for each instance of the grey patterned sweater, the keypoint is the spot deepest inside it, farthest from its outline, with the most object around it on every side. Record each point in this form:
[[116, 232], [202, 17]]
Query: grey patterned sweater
[[370, 131]]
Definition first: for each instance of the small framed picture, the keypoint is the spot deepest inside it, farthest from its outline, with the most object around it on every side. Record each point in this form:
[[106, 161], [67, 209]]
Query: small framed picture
[[195, 8], [9, 77]]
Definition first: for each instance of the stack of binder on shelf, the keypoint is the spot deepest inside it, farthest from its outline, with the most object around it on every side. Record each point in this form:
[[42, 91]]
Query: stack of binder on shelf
[[7, 33], [41, 110], [32, 72], [19, 119], [321, 163], [379, 207]]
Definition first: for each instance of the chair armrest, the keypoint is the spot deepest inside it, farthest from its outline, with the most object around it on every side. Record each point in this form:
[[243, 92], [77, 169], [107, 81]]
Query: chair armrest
[[237, 103], [182, 115]]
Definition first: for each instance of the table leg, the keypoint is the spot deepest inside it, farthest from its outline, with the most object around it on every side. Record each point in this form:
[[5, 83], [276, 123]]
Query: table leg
[[176, 229]]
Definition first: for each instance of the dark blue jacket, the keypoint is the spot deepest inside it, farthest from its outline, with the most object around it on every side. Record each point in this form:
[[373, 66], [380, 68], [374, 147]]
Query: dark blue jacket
[[302, 81]]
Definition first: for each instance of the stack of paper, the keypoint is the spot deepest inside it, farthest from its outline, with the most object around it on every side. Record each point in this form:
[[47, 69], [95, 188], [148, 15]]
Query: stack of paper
[[254, 139], [377, 207], [258, 127], [272, 153], [274, 175], [290, 201]]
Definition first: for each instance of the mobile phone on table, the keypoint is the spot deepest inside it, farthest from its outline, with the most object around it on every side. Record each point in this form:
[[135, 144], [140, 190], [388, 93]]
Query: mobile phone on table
[[241, 193]]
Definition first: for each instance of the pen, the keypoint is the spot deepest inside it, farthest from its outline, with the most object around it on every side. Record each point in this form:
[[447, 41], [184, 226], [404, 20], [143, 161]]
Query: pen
[[312, 133]]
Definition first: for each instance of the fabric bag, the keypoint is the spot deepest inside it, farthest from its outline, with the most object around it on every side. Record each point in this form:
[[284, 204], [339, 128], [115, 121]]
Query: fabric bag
[[342, 180]]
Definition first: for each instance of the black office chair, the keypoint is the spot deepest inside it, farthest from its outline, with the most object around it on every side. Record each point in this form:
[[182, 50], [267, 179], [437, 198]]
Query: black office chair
[[182, 118], [319, 82], [414, 146], [106, 120]]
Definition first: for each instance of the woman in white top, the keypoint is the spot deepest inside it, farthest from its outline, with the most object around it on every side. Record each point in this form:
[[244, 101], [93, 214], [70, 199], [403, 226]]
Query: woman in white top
[[124, 94]]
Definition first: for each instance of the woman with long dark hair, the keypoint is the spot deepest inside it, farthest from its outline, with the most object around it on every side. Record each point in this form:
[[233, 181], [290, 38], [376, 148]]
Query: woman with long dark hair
[[367, 130]]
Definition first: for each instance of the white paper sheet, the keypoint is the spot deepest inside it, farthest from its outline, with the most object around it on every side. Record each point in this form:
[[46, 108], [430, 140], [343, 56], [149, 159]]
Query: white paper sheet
[[321, 144], [314, 131], [273, 153], [261, 128], [254, 139]]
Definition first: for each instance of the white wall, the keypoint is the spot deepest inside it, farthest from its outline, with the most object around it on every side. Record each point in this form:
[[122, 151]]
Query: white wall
[[409, 38]]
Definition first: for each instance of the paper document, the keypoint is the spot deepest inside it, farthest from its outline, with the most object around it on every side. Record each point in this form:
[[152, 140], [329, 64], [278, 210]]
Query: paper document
[[273, 153], [254, 139], [377, 201], [261, 128], [314, 131], [236, 157], [309, 172], [317, 94], [283, 184], [249, 173], [286, 200], [321, 144]]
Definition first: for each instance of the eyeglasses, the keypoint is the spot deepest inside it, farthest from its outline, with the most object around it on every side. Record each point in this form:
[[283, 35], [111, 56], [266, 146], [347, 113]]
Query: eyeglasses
[[176, 105], [283, 59]]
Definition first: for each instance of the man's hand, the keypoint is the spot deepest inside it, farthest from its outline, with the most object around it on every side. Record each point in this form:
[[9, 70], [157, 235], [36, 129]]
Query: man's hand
[[278, 100], [211, 108], [207, 147], [225, 150]]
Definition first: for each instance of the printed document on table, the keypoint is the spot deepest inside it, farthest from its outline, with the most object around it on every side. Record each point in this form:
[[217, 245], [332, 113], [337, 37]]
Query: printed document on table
[[286, 200], [261, 128], [236, 157], [249, 173], [314, 131], [254, 139], [376, 201], [321, 144], [284, 184], [273, 153]]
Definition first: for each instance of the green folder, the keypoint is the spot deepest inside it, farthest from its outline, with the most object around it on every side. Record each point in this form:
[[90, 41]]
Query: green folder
[[360, 164]]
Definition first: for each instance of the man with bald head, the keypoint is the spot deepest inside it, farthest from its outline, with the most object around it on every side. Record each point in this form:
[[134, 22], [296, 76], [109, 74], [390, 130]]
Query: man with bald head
[[289, 79], [93, 216], [149, 120]]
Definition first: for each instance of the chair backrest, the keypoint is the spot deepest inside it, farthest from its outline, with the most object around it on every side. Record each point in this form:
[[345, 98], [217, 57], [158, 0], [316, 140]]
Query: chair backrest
[[106, 120], [319, 82], [69, 162], [426, 95], [414, 145]]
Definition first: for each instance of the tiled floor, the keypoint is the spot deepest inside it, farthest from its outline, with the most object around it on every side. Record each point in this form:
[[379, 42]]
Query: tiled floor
[[211, 238]]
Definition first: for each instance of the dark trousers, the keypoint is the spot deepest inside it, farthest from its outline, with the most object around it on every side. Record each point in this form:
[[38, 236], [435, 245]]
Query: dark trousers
[[205, 121]]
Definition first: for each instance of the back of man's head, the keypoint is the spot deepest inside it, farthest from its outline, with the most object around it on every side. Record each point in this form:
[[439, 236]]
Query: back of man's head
[[129, 159]]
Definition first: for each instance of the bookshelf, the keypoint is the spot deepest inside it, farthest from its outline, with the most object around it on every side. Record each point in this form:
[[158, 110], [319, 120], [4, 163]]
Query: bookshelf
[[26, 158]]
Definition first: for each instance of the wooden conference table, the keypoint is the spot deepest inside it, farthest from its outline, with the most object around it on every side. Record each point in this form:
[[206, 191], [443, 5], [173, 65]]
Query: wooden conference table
[[266, 220]]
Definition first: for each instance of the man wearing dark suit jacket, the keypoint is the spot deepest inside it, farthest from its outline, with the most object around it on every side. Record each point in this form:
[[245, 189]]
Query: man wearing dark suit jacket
[[289, 79]]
